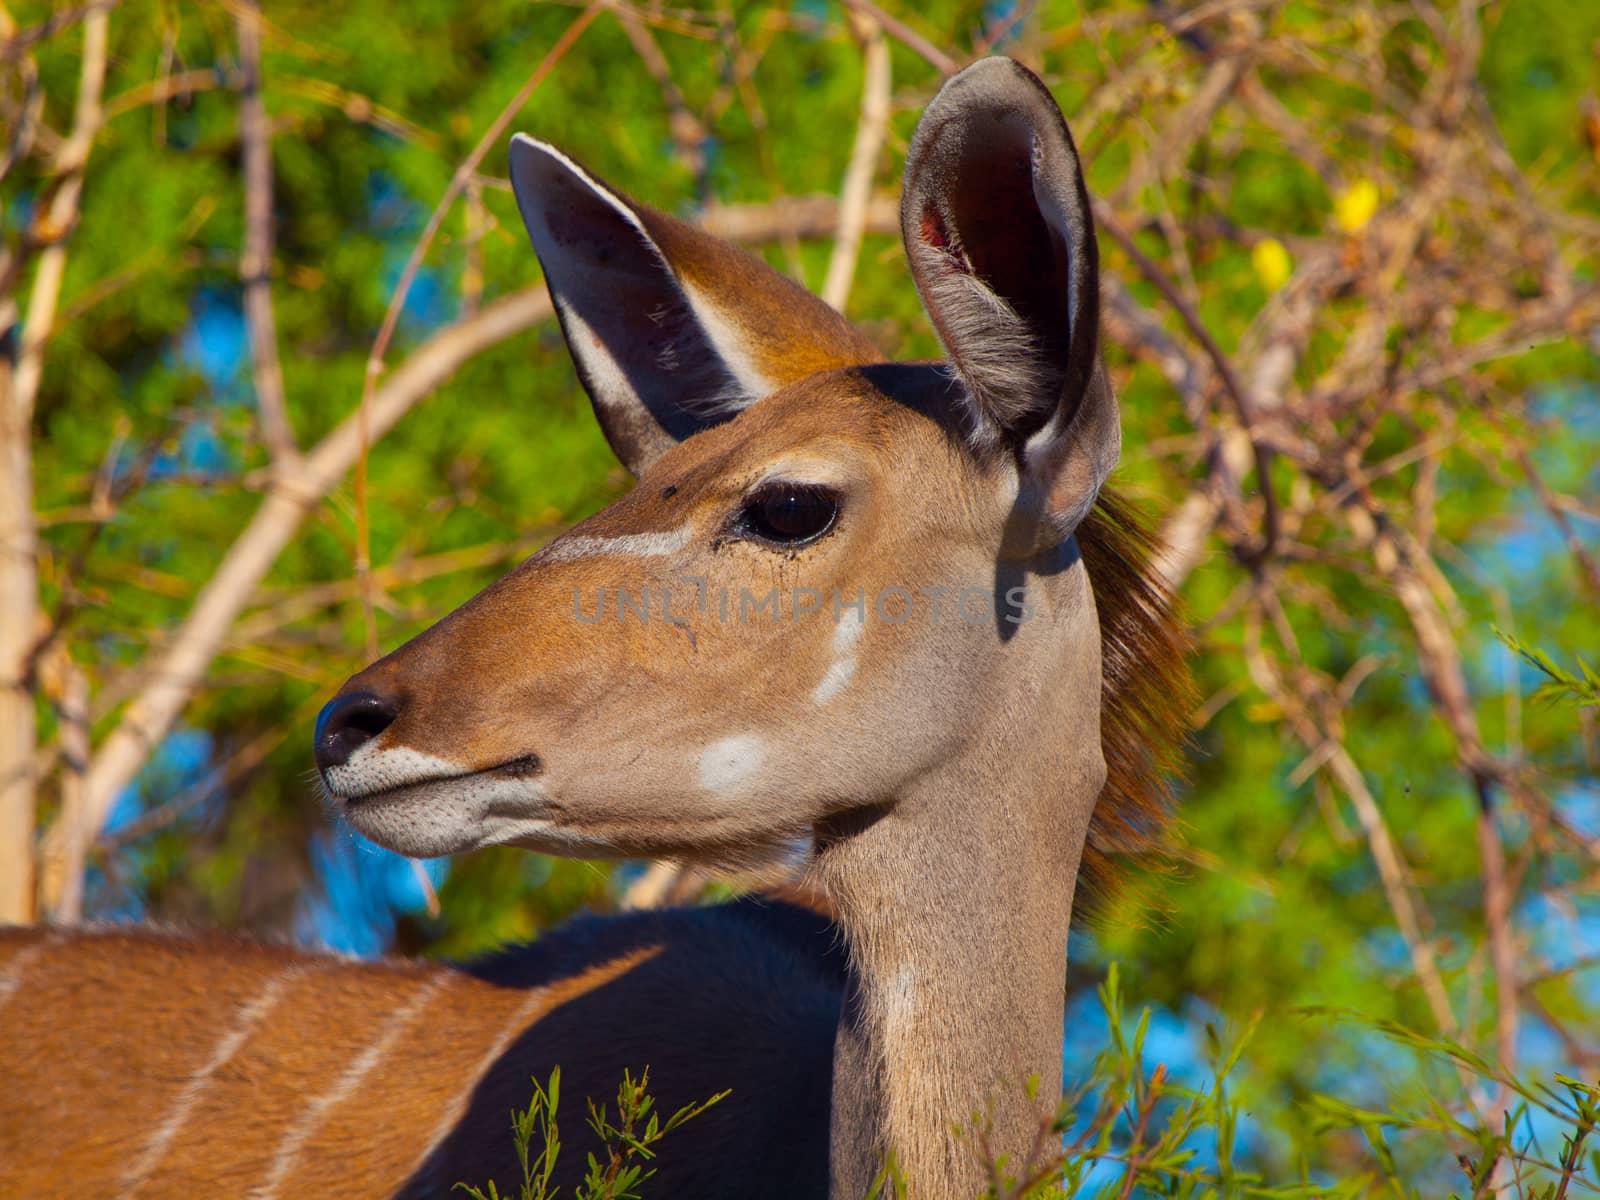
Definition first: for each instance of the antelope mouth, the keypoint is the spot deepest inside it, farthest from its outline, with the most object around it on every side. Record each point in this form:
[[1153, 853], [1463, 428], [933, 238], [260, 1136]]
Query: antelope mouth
[[430, 813], [375, 781]]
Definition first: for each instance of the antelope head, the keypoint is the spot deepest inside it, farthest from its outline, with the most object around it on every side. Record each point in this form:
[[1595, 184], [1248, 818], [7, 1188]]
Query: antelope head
[[833, 575]]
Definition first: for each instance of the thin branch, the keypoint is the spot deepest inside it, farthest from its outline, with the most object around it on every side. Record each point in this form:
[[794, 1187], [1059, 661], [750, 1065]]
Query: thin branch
[[1588, 567], [688, 131], [903, 33], [20, 377], [1253, 556], [255, 266], [61, 216], [19, 43], [796, 217], [1497, 897], [464, 171], [856, 193]]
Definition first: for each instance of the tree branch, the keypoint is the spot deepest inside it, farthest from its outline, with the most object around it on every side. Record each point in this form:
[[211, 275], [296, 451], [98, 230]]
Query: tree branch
[[255, 266], [856, 193], [19, 388]]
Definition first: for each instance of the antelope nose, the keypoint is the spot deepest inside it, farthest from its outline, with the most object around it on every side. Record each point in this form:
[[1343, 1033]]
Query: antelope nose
[[349, 722]]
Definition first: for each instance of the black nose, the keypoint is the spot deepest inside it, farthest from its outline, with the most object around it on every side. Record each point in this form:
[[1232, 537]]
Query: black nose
[[349, 722]]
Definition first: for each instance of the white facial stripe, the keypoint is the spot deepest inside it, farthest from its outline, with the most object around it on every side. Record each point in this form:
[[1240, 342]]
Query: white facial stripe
[[834, 680], [730, 761], [729, 344], [371, 770], [639, 545]]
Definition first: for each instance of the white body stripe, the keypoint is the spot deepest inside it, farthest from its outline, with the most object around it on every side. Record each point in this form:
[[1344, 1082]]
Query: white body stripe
[[519, 1021], [318, 1109], [249, 1017]]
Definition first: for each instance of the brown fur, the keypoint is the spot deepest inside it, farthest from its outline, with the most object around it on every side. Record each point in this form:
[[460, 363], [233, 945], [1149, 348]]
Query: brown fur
[[1147, 699], [135, 1064]]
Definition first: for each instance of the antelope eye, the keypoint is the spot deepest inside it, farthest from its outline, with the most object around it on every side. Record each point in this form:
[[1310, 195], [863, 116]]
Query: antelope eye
[[790, 514]]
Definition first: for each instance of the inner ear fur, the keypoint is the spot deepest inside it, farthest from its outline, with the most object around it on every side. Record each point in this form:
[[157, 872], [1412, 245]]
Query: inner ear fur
[[1000, 238]]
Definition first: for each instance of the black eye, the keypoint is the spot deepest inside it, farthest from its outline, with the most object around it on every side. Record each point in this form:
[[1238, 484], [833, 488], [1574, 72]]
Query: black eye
[[790, 514]]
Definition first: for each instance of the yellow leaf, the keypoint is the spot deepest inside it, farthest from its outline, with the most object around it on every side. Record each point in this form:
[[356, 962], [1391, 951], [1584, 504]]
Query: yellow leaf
[[1353, 207], [1272, 263]]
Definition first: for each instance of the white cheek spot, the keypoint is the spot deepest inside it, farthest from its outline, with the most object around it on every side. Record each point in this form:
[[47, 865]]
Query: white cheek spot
[[730, 761], [833, 682]]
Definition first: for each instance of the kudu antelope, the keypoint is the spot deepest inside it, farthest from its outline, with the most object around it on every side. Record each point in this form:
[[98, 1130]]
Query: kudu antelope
[[957, 679]]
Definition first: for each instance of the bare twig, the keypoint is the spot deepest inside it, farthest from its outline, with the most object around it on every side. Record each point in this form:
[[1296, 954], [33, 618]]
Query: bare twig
[[856, 193], [903, 33], [61, 875], [255, 266], [19, 387], [688, 132], [1250, 556], [464, 171]]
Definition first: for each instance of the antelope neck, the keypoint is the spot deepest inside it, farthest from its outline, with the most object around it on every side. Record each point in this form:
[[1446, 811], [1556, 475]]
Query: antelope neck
[[956, 900]]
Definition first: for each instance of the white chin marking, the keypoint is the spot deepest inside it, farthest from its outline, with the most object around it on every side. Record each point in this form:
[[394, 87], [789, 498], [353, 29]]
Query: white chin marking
[[371, 770], [449, 816], [730, 761], [833, 682]]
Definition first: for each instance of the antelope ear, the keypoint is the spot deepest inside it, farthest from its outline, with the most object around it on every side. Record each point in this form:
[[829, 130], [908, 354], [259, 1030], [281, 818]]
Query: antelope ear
[[1001, 242], [672, 329]]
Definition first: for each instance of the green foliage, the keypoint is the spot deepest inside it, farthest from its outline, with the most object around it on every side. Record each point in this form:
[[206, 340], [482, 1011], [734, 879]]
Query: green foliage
[[536, 1122], [1125, 1130], [1582, 689], [628, 1142]]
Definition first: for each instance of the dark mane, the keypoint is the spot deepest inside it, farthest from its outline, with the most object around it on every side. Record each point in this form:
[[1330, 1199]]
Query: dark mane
[[1146, 697]]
